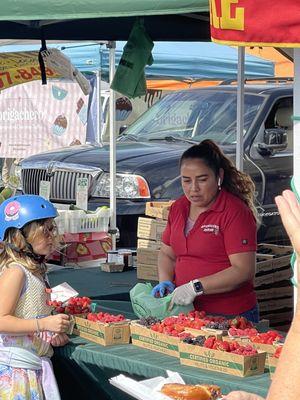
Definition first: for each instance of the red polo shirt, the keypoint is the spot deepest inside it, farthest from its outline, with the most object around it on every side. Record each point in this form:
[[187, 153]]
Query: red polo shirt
[[228, 227]]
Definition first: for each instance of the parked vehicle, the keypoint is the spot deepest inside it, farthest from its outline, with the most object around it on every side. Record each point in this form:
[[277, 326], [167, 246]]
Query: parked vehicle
[[148, 153], [127, 110]]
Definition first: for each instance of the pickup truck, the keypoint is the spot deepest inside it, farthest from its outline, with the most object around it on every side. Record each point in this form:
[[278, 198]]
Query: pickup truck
[[148, 153]]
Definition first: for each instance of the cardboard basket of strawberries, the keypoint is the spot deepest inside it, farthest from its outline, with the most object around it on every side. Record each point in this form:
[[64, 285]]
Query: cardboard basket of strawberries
[[267, 341], [103, 328], [161, 336], [222, 356]]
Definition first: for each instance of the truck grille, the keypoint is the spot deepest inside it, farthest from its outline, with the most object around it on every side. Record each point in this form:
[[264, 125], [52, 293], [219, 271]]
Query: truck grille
[[63, 183]]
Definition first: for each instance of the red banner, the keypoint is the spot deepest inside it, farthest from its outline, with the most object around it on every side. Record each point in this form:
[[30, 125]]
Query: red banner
[[255, 22]]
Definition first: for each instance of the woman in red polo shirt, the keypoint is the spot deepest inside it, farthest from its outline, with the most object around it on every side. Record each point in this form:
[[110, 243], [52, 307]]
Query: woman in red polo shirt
[[209, 245]]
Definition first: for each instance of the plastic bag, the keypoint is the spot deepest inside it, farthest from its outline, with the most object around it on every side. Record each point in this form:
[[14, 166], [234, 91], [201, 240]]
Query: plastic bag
[[145, 305]]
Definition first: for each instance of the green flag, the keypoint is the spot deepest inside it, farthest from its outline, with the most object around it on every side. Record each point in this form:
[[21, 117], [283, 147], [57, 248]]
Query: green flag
[[130, 77]]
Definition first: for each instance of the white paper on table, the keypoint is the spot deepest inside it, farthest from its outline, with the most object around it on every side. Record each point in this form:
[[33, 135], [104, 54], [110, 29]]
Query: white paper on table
[[63, 292], [148, 389]]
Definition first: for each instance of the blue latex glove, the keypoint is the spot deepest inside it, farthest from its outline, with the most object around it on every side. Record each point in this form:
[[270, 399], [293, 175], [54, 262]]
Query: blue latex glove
[[162, 289]]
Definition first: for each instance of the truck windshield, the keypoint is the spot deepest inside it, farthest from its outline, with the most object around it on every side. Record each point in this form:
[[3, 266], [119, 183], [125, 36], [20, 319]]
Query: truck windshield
[[195, 115]]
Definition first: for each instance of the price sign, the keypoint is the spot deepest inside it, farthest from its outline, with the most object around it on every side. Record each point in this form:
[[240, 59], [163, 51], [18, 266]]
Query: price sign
[[82, 193]]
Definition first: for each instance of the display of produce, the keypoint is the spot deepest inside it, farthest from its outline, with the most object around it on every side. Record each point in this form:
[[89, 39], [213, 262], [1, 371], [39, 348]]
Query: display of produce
[[74, 306], [176, 325], [215, 344], [105, 317], [179, 391], [223, 325], [242, 332], [149, 321], [240, 323], [269, 337]]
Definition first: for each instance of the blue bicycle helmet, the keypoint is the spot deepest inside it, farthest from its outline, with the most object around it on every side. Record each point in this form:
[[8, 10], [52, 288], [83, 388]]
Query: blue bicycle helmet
[[18, 211]]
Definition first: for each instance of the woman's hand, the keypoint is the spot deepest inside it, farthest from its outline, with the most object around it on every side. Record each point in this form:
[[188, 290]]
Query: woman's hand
[[289, 210], [59, 339], [183, 295], [240, 395], [55, 323], [163, 289]]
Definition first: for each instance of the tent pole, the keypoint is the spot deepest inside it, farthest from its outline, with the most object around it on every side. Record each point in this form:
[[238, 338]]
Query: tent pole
[[240, 109], [296, 137], [112, 145], [99, 107]]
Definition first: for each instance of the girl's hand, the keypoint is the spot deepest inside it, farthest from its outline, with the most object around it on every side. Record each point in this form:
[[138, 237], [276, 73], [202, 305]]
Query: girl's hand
[[289, 210], [55, 323], [59, 339], [240, 395]]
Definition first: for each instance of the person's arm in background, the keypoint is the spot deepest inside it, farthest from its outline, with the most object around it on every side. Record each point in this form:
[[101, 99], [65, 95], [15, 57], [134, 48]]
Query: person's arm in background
[[242, 269], [166, 263], [285, 383], [166, 267]]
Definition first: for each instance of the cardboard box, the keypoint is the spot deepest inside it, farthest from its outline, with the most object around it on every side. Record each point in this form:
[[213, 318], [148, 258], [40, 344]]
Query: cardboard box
[[273, 276], [158, 209], [277, 318], [149, 228], [147, 256], [275, 304], [147, 272], [148, 244], [277, 257], [221, 361], [267, 292], [112, 267], [151, 340], [106, 334]]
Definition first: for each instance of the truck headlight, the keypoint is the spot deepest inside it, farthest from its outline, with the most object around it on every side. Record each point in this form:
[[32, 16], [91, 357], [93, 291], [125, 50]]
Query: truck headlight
[[127, 187]]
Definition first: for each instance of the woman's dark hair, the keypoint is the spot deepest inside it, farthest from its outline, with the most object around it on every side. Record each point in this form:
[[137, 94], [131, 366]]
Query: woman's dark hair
[[234, 181]]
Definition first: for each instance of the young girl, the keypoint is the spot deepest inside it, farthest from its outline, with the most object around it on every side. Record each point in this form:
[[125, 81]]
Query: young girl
[[27, 328]]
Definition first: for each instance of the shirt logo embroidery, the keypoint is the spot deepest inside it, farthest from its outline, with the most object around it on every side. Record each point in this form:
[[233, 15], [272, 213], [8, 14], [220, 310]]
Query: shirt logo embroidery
[[244, 241], [210, 228]]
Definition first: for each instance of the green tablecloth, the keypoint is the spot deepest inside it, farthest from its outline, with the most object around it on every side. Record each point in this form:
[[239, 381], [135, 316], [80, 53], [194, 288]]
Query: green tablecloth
[[92, 365], [94, 283]]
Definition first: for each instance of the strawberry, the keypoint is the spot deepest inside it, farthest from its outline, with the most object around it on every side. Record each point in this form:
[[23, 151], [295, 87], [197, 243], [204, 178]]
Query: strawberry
[[209, 342], [278, 352]]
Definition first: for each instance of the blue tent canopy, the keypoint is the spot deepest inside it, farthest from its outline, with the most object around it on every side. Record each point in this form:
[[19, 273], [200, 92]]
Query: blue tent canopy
[[173, 60]]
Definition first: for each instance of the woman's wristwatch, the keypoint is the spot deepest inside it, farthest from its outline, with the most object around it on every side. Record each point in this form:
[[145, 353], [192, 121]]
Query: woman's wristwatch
[[198, 287]]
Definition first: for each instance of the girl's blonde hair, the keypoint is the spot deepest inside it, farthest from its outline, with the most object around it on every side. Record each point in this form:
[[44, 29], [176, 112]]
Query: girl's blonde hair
[[234, 181], [15, 248]]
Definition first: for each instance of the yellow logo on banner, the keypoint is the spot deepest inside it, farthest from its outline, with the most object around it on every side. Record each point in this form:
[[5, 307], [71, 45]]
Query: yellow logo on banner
[[21, 67], [226, 21]]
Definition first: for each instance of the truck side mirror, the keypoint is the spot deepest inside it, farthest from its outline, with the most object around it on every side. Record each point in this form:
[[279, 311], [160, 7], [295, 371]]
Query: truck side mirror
[[122, 129], [274, 140]]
